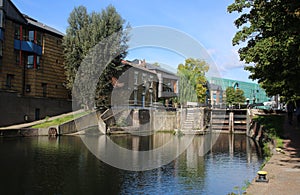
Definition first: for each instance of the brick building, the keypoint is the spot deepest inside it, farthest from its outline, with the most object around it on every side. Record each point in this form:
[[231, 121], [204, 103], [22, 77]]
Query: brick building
[[31, 68]]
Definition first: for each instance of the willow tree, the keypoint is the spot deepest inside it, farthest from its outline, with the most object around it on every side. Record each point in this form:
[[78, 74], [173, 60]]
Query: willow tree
[[96, 43], [192, 83], [270, 29]]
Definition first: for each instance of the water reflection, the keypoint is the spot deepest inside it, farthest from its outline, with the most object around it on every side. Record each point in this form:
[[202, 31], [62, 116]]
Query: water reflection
[[140, 152], [64, 165]]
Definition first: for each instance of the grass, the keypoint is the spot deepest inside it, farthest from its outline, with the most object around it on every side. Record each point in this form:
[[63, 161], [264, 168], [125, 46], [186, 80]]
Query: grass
[[59, 121], [273, 125]]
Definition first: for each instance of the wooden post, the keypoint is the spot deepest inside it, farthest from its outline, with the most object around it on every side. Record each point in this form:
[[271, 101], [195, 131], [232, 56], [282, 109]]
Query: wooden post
[[231, 122]]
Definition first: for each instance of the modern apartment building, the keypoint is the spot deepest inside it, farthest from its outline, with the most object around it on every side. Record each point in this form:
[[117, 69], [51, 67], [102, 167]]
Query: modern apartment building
[[31, 68], [252, 91]]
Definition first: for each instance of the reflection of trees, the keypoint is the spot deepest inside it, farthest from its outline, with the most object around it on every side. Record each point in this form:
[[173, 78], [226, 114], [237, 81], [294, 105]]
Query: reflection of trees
[[63, 166]]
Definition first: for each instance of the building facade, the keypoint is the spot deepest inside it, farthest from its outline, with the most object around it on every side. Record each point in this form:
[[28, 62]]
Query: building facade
[[252, 91], [135, 87], [31, 68], [148, 84]]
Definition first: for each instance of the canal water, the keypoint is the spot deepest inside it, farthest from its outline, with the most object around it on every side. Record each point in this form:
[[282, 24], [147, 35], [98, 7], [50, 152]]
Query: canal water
[[65, 165]]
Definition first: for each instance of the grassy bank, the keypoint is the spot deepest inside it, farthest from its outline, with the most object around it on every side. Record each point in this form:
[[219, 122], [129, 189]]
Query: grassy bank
[[273, 127], [59, 121]]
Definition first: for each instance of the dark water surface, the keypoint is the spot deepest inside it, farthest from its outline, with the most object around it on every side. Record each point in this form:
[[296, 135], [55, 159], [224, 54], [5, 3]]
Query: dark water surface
[[64, 165]]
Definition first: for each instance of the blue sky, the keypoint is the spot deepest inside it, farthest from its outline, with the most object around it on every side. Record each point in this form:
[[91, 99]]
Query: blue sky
[[206, 21]]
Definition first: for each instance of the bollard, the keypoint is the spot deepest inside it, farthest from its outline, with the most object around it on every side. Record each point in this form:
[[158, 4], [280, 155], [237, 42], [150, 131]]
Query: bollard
[[262, 176]]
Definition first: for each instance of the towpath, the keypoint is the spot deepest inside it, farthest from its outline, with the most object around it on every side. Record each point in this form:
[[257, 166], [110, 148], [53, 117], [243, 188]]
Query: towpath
[[283, 168]]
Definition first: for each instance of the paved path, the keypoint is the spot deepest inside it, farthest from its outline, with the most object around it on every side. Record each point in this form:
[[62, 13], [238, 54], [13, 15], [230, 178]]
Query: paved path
[[25, 125], [283, 168]]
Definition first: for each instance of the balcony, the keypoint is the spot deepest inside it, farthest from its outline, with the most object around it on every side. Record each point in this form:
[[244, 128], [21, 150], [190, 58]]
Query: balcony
[[27, 46], [167, 94]]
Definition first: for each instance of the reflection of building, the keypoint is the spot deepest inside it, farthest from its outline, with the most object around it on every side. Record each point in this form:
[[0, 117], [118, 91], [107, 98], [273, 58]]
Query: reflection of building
[[252, 91], [31, 68], [150, 83]]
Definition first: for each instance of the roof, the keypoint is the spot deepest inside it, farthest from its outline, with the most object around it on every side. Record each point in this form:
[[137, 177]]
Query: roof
[[157, 69], [13, 13], [42, 26], [126, 62]]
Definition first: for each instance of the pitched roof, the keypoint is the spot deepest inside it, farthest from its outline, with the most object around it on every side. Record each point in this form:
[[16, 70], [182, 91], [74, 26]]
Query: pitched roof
[[42, 26], [12, 12]]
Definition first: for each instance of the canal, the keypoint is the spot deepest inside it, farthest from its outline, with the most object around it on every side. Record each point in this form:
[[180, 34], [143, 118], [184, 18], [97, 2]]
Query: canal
[[65, 165]]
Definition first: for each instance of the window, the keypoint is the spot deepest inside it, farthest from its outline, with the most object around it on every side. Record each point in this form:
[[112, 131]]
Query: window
[[31, 35], [9, 79], [17, 31], [25, 34], [44, 86], [28, 88], [136, 77], [144, 76], [30, 61], [151, 81], [135, 97], [37, 114], [1, 18], [38, 62], [39, 38], [1, 49]]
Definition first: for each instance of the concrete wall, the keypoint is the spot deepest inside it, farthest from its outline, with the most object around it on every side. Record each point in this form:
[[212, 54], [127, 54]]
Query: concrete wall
[[157, 120], [14, 107], [163, 120]]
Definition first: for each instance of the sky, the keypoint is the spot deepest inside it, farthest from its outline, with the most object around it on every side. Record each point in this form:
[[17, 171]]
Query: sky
[[206, 22]]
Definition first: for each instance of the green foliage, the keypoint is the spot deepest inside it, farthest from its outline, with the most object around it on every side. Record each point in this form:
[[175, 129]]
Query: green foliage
[[273, 126], [234, 96], [230, 95], [240, 190], [93, 41], [192, 81], [239, 96], [59, 121], [271, 31], [272, 123]]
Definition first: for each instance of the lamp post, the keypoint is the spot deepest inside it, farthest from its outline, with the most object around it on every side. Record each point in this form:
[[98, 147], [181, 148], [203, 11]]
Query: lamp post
[[143, 94]]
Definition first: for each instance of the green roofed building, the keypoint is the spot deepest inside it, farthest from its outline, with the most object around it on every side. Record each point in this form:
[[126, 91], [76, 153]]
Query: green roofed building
[[252, 91]]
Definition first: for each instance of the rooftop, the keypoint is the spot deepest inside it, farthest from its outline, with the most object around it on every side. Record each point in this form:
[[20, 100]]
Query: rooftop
[[41, 25]]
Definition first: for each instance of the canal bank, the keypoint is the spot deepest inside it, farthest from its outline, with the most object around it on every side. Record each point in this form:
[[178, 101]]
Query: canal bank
[[27, 129], [283, 168]]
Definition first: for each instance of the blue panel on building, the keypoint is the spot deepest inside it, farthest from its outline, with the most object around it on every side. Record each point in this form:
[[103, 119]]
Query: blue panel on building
[[28, 46]]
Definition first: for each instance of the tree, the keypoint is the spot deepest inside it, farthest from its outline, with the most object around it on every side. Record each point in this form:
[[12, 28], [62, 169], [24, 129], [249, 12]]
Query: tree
[[271, 30], [192, 82], [75, 42], [239, 96], [234, 96], [96, 43], [230, 95]]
